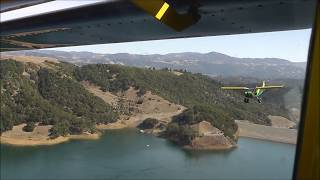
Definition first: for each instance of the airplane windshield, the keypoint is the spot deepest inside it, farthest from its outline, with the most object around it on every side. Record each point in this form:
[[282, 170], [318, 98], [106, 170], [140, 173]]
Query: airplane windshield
[[216, 107], [158, 89]]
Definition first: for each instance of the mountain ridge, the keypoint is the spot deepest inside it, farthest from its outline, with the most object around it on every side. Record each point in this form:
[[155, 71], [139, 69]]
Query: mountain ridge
[[212, 63], [52, 93]]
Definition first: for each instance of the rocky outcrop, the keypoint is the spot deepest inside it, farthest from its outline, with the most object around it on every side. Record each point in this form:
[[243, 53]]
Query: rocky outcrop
[[209, 138]]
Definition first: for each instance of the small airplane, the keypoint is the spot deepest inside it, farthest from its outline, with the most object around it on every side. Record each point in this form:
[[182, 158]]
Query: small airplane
[[253, 92]]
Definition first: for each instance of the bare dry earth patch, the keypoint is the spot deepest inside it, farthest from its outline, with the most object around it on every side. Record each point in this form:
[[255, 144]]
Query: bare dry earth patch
[[251, 130], [46, 62], [32, 59], [154, 106], [210, 138], [150, 106], [39, 136], [281, 122]]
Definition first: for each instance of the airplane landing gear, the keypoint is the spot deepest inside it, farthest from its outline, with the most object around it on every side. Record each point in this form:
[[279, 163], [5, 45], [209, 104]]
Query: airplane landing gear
[[246, 100], [259, 100]]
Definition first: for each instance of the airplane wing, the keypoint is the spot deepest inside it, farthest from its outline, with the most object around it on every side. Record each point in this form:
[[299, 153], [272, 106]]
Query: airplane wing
[[9, 5], [115, 21], [270, 87], [235, 88]]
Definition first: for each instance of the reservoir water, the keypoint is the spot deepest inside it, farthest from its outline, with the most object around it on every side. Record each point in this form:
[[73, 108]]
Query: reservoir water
[[127, 154]]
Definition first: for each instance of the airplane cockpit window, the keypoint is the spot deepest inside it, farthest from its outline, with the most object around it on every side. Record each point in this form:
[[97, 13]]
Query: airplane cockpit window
[[166, 104]]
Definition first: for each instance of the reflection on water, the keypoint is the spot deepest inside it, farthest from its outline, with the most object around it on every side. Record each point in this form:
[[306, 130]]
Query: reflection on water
[[124, 154]]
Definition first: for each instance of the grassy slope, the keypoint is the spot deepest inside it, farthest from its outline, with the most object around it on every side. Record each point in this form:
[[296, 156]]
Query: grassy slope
[[188, 89], [55, 96], [49, 96]]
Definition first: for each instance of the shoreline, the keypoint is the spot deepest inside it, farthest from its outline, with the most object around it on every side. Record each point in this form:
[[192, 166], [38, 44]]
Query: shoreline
[[48, 141], [39, 137], [211, 148], [267, 133], [269, 140]]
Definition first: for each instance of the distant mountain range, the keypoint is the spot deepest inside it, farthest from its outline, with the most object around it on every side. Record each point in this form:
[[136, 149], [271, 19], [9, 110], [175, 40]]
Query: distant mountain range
[[212, 64]]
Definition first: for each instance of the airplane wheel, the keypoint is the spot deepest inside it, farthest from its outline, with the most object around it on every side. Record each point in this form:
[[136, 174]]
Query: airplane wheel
[[246, 100]]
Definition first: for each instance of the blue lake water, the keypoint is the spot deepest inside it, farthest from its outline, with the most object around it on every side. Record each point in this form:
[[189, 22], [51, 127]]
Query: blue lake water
[[123, 154]]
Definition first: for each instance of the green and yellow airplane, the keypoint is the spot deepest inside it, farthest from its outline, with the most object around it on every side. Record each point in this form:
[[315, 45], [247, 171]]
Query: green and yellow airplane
[[253, 92]]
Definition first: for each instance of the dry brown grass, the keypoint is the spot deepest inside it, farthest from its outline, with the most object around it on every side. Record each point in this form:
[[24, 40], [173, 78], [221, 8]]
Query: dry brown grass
[[31, 59], [39, 136], [251, 130], [281, 122], [153, 106], [210, 138]]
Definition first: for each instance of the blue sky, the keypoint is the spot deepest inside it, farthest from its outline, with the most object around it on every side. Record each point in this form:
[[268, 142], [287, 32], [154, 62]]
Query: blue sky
[[290, 45]]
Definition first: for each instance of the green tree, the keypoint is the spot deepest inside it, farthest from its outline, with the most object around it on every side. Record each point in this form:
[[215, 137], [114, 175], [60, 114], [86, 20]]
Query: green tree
[[29, 127], [148, 123]]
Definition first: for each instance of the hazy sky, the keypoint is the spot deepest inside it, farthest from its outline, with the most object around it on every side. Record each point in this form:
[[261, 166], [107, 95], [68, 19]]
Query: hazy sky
[[290, 45]]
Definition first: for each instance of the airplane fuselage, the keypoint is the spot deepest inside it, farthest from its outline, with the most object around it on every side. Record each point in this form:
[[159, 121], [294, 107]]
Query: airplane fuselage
[[253, 94]]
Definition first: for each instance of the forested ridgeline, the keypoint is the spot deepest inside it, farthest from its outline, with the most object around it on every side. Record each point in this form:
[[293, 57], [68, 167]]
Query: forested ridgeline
[[53, 95], [31, 93], [201, 94]]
